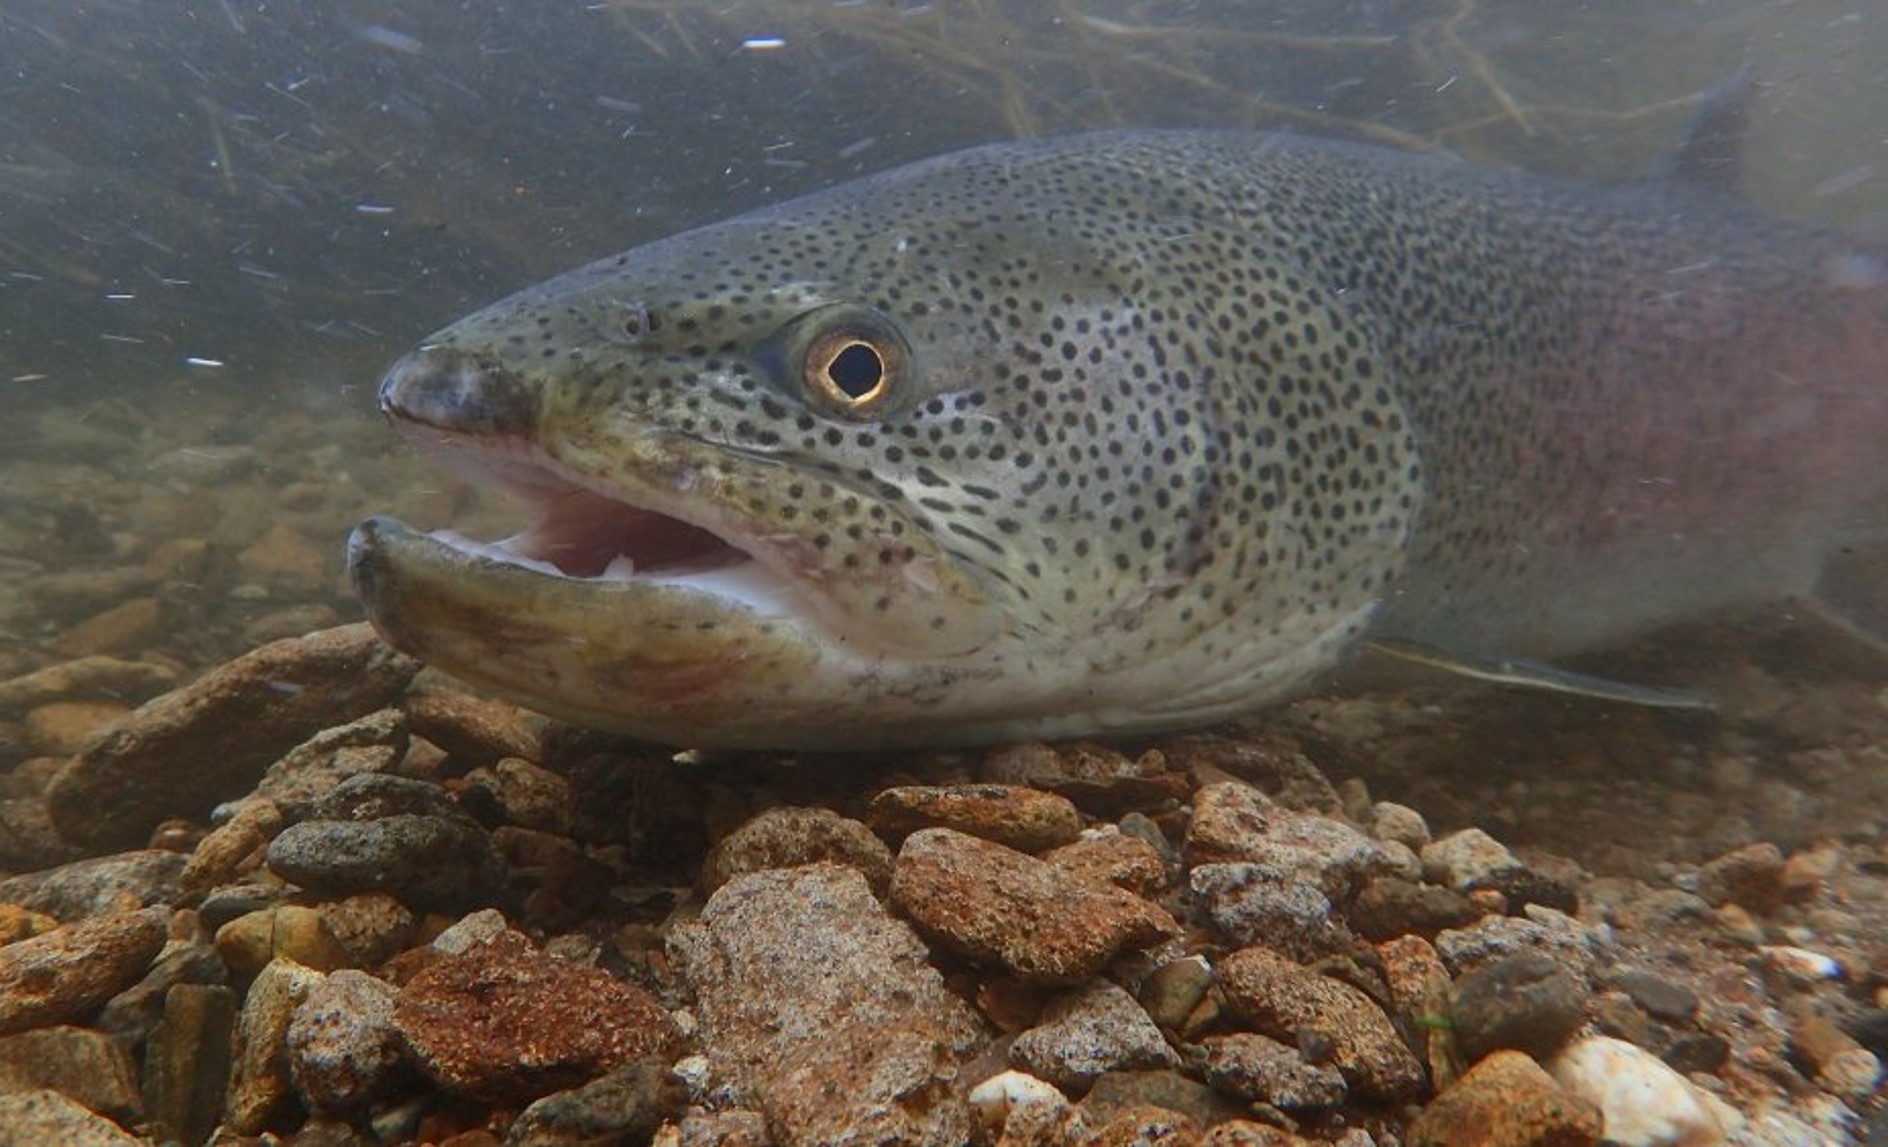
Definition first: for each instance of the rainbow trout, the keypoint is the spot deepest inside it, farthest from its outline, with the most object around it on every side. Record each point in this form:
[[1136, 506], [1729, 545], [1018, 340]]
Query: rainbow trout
[[1130, 431]]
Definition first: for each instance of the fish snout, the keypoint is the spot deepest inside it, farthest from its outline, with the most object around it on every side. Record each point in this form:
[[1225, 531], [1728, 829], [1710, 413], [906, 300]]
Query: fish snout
[[445, 388]]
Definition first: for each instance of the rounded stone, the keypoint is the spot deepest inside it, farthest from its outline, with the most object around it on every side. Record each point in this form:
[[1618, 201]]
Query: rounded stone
[[1527, 1002], [788, 837]]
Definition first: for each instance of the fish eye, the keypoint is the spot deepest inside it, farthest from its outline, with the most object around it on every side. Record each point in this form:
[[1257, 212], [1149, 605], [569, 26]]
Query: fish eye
[[850, 369]]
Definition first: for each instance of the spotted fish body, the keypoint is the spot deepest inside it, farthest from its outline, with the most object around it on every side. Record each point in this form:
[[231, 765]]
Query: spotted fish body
[[1149, 429]]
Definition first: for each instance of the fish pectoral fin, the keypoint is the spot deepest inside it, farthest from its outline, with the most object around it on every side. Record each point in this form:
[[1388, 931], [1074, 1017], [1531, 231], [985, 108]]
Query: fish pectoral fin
[[1851, 596], [1709, 154], [1540, 675]]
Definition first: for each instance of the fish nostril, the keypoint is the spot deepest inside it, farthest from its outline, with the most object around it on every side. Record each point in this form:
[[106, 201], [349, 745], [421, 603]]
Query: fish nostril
[[456, 391]]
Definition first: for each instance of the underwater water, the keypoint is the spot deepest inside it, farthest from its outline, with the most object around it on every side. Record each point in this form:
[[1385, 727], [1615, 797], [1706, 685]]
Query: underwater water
[[221, 221]]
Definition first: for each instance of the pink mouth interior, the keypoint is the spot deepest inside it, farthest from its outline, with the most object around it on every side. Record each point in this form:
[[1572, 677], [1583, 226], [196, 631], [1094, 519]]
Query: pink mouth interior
[[583, 533]]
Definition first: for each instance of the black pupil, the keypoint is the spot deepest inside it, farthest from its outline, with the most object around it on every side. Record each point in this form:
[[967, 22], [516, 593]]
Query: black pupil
[[856, 371]]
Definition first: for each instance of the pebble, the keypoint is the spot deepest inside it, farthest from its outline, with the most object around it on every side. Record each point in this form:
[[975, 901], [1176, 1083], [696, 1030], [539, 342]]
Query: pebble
[[38, 1118], [61, 728], [343, 1048], [1420, 994], [1541, 930], [526, 795], [787, 837], [379, 833], [79, 1063], [185, 959], [1799, 966], [1146, 1127], [1234, 823], [1392, 822], [1526, 1002], [1112, 857], [311, 770], [995, 905], [503, 1022], [1836, 1060], [94, 676], [625, 1106], [1506, 1100], [1645, 1103], [187, 1061], [1119, 1092], [1014, 1107], [1285, 1001], [1464, 859], [1663, 998], [85, 888], [221, 855], [295, 931], [1255, 1067], [473, 730], [1175, 988], [1025, 819], [1093, 1029], [1103, 780], [1250, 904], [822, 1011], [186, 751], [131, 624], [370, 927], [1749, 877], [63, 974], [259, 1082], [1389, 907]]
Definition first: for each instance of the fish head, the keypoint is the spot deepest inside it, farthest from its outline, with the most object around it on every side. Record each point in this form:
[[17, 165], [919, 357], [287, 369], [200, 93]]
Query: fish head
[[922, 459]]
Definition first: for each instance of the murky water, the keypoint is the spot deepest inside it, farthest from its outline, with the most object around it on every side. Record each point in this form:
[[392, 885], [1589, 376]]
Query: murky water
[[218, 221]]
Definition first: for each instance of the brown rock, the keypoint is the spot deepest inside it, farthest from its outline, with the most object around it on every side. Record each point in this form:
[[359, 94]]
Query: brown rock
[[821, 1011], [1146, 1127], [250, 941], [343, 1048], [181, 754], [1507, 1100], [85, 677], [501, 1023], [1084, 1033], [997, 905], [65, 973], [61, 728], [1285, 1001], [80, 1063], [128, 625], [219, 856], [1236, 823], [1024, 819], [788, 837], [1750, 877], [259, 1080], [473, 730], [1115, 858], [38, 1118], [1420, 993], [187, 1062], [85, 888]]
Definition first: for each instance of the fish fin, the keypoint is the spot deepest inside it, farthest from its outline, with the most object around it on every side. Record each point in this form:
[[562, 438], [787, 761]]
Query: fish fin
[[1851, 596], [1709, 154], [1539, 675]]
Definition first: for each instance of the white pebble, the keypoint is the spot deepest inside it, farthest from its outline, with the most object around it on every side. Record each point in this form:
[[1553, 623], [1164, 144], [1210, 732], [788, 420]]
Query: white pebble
[[1645, 1102], [1006, 1093]]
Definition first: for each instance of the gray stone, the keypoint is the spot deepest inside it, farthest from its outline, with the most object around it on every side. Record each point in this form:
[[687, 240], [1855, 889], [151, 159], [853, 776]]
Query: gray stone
[[103, 884], [1526, 1001], [343, 1048], [1094, 1029], [377, 833], [1252, 904], [1254, 1067], [1656, 994], [823, 1012], [311, 770], [1541, 930]]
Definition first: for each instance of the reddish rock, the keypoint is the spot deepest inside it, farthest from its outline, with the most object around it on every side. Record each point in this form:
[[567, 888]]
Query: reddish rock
[[504, 1024], [1112, 858], [188, 750], [474, 730], [1507, 1100], [1285, 1001], [65, 973], [820, 1010], [999, 906], [1025, 819]]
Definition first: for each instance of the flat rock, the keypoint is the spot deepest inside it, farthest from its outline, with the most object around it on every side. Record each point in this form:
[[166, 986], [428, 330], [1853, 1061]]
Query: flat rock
[[377, 833], [94, 676], [1282, 1000], [183, 753], [788, 837], [1083, 1033], [1506, 1100], [1236, 823], [39, 1118], [316, 767], [1112, 857], [503, 1022], [822, 1011], [1542, 930], [999, 906], [625, 1106], [120, 883], [221, 855], [1250, 904], [63, 974], [343, 1048], [1025, 819], [79, 1063]]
